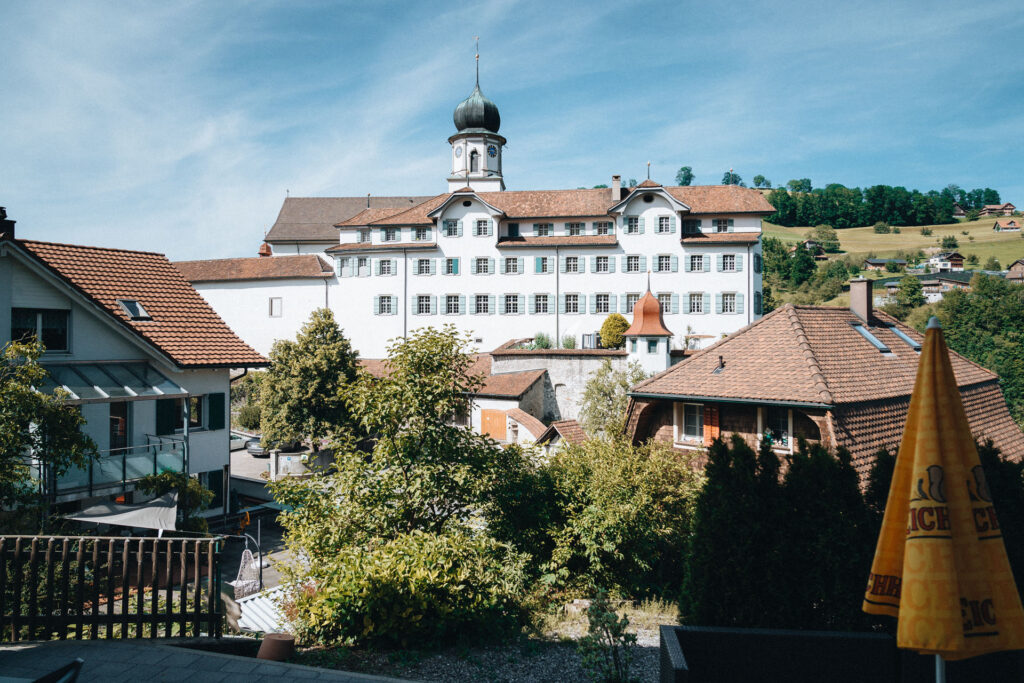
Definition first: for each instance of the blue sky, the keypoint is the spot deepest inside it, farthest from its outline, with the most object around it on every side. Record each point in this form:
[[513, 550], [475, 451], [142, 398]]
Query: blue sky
[[179, 126]]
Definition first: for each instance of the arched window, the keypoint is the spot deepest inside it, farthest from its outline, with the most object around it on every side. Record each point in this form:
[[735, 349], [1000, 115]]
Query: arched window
[[474, 162]]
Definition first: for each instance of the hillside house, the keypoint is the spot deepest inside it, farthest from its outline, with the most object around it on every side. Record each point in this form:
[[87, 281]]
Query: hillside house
[[1007, 225], [813, 247], [140, 353], [946, 261], [959, 211], [883, 263], [1016, 271], [837, 376], [1006, 209], [933, 285]]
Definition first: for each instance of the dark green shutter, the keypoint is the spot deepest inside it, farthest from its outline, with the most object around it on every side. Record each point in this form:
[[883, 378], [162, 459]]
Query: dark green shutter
[[216, 407], [166, 416]]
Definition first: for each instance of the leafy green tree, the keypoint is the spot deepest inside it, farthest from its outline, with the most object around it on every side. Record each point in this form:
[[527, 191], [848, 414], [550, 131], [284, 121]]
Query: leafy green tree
[[304, 390], [801, 185], [973, 215], [632, 182], [776, 259], [972, 259], [882, 228], [730, 178], [684, 176], [612, 331], [785, 207], [603, 407], [992, 264], [826, 236], [990, 196], [909, 295], [768, 301], [949, 242], [801, 267], [760, 181], [36, 423]]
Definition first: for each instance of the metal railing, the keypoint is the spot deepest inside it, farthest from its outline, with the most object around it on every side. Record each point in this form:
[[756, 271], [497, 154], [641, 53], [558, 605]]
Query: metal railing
[[116, 467]]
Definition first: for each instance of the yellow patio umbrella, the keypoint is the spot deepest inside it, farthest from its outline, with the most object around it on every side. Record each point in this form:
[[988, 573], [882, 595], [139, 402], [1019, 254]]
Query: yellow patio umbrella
[[940, 566]]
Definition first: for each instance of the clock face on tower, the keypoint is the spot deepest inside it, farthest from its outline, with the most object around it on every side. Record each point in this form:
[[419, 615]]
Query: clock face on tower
[[492, 151], [458, 152]]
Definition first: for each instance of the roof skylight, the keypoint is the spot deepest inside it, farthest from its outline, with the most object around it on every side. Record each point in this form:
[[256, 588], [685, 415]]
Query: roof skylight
[[902, 335], [875, 341], [134, 309]]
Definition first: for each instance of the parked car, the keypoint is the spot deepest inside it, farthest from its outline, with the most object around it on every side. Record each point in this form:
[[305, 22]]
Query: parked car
[[258, 449]]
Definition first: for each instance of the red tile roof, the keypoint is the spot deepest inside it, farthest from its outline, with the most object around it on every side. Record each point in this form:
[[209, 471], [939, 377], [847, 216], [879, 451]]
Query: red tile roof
[[558, 241], [368, 216], [649, 183], [532, 424], [569, 430], [721, 238], [184, 327], [256, 268], [510, 385], [312, 219]]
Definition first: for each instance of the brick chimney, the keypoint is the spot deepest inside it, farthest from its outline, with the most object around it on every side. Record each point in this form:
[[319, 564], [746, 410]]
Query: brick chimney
[[6, 224], [616, 188], [861, 298]]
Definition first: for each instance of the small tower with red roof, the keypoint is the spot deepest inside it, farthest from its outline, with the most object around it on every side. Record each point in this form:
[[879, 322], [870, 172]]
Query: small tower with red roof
[[647, 339]]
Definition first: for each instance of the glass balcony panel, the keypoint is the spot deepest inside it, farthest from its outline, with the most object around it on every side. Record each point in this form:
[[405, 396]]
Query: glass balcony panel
[[107, 470], [75, 478], [138, 463]]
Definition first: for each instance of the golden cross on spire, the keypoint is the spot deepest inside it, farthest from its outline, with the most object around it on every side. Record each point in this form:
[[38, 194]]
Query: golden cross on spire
[[477, 39]]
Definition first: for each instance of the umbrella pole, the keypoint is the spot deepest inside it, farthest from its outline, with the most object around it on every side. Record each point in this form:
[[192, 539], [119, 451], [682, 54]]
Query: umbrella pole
[[940, 669]]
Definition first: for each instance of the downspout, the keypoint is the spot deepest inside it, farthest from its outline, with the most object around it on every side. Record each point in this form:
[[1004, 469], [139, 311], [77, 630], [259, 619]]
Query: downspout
[[186, 418], [405, 294], [750, 287], [558, 298]]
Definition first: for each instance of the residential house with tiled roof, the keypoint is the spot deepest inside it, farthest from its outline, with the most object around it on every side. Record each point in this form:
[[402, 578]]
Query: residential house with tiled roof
[[1016, 271], [946, 261], [503, 264], [1006, 225], [137, 349], [562, 431], [1006, 209], [839, 376]]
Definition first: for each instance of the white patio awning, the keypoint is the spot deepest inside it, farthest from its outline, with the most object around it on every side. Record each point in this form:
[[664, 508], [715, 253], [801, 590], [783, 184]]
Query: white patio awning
[[159, 513]]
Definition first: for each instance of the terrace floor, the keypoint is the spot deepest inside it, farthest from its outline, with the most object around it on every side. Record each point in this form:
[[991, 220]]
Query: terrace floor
[[142, 660]]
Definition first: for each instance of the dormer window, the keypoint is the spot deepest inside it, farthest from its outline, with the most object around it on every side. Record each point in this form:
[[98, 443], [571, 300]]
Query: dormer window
[[134, 310]]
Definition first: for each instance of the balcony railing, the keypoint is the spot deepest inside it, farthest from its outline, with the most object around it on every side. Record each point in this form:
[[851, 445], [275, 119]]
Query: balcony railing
[[114, 469]]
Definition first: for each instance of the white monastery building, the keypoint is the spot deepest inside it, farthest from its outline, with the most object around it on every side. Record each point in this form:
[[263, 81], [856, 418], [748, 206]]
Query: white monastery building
[[500, 264]]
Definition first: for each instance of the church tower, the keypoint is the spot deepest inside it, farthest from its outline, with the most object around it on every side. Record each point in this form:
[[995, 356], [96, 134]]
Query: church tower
[[476, 146], [647, 339]]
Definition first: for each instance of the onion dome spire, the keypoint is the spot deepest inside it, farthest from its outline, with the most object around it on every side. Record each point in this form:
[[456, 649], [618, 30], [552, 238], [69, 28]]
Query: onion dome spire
[[476, 113]]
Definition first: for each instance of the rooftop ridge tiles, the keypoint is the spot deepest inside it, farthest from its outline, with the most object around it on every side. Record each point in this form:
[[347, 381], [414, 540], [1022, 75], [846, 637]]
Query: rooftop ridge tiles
[[820, 384], [88, 246]]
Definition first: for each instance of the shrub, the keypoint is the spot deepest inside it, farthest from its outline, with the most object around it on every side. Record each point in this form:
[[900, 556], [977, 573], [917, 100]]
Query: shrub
[[964, 232], [603, 407], [541, 341], [607, 650], [882, 228], [896, 231], [416, 588], [569, 342], [972, 259], [612, 331], [926, 232], [249, 416], [949, 242]]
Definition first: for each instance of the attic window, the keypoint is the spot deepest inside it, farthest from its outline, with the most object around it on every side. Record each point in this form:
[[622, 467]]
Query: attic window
[[133, 309], [467, 203], [648, 198], [902, 335], [862, 331]]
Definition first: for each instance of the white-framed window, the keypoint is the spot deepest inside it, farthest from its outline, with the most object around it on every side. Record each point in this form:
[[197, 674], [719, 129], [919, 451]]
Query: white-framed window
[[632, 225], [423, 266], [542, 229], [695, 302], [363, 266], [511, 265], [385, 306], [652, 346], [776, 426], [274, 307], [363, 236], [573, 229], [691, 225], [482, 227], [665, 299], [390, 234], [728, 263], [729, 302], [540, 303], [572, 264], [420, 234], [601, 264], [572, 303], [451, 304], [721, 225], [631, 300], [451, 228], [342, 266], [632, 264], [603, 228], [482, 303], [423, 304], [451, 266], [664, 263], [603, 303], [482, 265], [385, 267], [511, 304], [690, 423], [696, 262], [664, 224]]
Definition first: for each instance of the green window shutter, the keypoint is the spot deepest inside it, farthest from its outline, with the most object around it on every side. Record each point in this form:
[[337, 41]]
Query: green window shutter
[[376, 305], [672, 224], [686, 264], [675, 263], [593, 304], [739, 302], [462, 304], [377, 269], [611, 264], [455, 265], [503, 268], [522, 304], [433, 266], [490, 227], [383, 232], [730, 225], [757, 263], [533, 303], [215, 408], [491, 308], [625, 267], [561, 303], [520, 265], [536, 229], [707, 263], [413, 308], [739, 263], [593, 264], [643, 264], [430, 234], [706, 303], [459, 228], [433, 305], [640, 223], [538, 264], [472, 266], [622, 305], [718, 302], [561, 264], [490, 266], [675, 303], [718, 261], [394, 305], [612, 303], [757, 303], [166, 416]]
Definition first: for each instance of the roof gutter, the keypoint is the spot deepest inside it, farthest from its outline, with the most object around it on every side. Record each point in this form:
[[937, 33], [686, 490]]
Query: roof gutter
[[720, 399]]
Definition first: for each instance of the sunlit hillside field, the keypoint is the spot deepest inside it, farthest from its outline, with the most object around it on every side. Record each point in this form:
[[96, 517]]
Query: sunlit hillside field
[[1005, 246]]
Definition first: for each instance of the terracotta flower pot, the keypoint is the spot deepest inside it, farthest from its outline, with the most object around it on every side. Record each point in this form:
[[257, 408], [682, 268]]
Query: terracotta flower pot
[[278, 647]]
